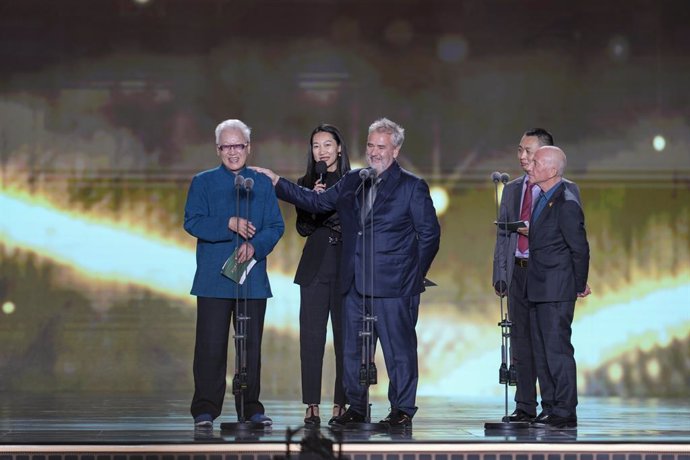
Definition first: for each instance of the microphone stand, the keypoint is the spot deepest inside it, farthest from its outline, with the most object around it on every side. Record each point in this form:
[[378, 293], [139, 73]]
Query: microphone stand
[[239, 381], [506, 376], [367, 372]]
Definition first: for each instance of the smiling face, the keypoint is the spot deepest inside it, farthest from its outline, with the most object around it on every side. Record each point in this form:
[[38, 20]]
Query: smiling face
[[325, 148], [528, 145], [380, 151], [233, 149]]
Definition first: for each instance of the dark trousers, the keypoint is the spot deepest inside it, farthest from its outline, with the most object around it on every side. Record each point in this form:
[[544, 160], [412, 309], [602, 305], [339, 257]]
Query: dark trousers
[[521, 343], [395, 329], [211, 355], [554, 356], [317, 300]]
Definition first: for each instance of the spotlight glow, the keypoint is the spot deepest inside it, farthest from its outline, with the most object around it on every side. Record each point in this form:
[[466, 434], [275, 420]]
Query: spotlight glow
[[8, 308], [439, 196], [659, 143]]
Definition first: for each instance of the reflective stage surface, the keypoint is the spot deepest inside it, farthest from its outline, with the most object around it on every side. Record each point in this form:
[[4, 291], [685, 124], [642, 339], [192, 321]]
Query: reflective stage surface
[[135, 420]]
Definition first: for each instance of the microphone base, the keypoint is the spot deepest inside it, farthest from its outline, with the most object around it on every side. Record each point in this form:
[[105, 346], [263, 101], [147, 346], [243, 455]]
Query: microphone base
[[504, 427], [242, 426]]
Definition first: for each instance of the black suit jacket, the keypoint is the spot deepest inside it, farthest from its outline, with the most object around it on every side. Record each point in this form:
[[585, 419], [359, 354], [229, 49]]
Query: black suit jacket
[[406, 231], [559, 251], [317, 228]]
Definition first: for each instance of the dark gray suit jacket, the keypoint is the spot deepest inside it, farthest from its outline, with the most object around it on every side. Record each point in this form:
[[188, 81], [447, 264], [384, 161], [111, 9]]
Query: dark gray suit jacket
[[506, 241], [559, 251]]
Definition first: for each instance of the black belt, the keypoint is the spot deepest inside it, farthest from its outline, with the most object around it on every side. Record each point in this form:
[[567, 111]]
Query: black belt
[[520, 262]]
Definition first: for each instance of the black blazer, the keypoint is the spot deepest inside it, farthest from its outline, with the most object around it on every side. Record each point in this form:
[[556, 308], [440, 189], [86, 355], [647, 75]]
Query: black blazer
[[559, 251], [317, 228]]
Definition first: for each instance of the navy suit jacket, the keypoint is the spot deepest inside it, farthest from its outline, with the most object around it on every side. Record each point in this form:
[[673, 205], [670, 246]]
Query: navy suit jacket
[[406, 232], [506, 241], [559, 251]]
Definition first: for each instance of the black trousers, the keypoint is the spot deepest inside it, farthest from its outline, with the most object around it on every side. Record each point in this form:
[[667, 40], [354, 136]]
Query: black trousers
[[317, 300], [211, 355], [521, 343], [554, 356]]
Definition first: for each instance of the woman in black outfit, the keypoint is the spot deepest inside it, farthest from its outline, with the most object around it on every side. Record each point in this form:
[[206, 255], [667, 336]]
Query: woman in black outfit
[[317, 273]]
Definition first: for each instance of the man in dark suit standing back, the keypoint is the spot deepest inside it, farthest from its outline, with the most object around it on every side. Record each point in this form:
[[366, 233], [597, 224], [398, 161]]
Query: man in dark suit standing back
[[406, 235], [556, 278], [511, 257]]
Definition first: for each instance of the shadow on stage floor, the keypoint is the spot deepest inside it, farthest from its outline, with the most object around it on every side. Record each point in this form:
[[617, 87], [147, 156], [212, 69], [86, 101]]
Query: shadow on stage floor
[[99, 426]]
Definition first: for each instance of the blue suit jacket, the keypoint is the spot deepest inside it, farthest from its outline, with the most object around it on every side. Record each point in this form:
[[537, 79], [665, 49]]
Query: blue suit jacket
[[559, 251], [406, 232], [211, 201]]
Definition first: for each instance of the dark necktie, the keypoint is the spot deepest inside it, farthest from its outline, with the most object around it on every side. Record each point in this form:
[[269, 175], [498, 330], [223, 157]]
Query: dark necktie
[[369, 198], [525, 215]]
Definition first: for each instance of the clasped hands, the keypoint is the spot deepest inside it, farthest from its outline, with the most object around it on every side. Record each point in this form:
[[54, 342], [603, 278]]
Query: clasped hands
[[246, 230]]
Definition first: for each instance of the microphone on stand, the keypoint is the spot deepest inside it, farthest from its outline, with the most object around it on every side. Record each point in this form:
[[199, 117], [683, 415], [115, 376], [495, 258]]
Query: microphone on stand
[[320, 169], [506, 375], [239, 182]]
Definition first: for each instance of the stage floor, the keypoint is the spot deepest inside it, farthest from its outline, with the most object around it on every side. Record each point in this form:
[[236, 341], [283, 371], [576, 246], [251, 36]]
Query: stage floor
[[62, 419]]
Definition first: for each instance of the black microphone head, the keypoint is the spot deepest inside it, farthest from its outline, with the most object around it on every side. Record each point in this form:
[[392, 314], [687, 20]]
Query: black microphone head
[[320, 168], [364, 173], [239, 182], [496, 176], [505, 178], [249, 183]]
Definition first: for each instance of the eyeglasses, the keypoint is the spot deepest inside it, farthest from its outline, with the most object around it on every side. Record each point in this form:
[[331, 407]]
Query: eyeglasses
[[230, 147]]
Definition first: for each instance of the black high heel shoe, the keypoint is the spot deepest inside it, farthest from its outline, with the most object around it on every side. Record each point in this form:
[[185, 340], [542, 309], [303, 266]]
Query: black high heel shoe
[[312, 418], [338, 410]]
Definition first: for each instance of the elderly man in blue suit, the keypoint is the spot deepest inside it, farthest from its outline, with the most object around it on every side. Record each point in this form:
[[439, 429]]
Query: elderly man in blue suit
[[211, 215], [556, 278], [405, 231]]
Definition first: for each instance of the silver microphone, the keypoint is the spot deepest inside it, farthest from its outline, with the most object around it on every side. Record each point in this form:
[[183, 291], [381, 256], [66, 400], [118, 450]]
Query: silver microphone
[[248, 184]]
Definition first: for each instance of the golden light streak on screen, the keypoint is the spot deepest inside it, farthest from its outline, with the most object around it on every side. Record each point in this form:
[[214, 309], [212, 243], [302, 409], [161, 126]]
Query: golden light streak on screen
[[452, 348]]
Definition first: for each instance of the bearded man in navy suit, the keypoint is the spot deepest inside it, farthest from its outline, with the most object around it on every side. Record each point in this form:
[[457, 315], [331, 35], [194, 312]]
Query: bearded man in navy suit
[[397, 239], [556, 278]]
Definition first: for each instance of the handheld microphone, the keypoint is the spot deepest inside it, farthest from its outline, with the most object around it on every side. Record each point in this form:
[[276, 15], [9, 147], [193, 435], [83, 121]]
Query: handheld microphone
[[239, 182], [320, 169], [248, 184], [495, 176], [505, 178]]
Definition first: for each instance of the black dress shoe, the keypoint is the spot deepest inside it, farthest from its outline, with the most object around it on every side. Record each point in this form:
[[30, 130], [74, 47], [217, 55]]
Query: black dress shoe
[[350, 416], [540, 418], [397, 419], [518, 416], [556, 422]]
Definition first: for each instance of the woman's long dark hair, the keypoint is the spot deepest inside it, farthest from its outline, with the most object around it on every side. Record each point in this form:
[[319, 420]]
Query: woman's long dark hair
[[343, 160]]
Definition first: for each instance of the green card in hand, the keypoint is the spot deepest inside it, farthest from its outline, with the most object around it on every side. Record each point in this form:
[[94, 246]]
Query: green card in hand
[[236, 271]]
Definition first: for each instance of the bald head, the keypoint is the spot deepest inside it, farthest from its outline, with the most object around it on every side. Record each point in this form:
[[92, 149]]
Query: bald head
[[549, 166]]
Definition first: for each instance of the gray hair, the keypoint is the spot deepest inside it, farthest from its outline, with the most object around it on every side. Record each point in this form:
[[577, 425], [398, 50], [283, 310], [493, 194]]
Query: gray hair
[[385, 125], [233, 124]]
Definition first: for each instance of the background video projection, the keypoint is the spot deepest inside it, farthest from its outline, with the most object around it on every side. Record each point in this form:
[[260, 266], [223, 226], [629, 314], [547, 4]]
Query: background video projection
[[107, 110]]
